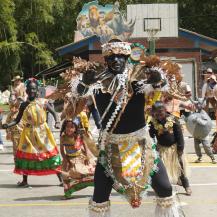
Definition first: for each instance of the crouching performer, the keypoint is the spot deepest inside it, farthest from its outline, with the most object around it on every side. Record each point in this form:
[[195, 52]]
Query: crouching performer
[[127, 161]]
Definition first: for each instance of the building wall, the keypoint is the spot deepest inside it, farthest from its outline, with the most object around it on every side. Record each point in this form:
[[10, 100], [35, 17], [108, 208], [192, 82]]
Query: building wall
[[167, 42]]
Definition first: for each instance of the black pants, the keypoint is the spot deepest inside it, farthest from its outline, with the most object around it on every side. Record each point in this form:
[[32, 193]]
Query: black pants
[[183, 178], [103, 184]]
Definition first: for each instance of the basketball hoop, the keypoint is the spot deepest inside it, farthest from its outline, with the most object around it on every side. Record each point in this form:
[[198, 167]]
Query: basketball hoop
[[151, 34]]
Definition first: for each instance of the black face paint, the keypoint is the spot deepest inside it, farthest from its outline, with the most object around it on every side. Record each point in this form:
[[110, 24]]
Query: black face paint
[[32, 91], [116, 63]]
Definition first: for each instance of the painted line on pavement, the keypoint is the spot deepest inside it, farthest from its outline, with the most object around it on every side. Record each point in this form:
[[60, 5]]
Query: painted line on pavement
[[64, 204], [207, 165], [181, 203], [11, 170], [204, 184]]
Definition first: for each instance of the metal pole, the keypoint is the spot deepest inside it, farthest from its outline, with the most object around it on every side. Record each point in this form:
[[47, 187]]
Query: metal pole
[[151, 45]]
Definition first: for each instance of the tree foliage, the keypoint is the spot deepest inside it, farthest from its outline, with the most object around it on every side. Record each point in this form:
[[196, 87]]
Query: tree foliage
[[30, 30]]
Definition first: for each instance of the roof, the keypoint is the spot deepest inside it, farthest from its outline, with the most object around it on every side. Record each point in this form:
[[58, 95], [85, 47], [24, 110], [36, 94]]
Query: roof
[[76, 47], [198, 38]]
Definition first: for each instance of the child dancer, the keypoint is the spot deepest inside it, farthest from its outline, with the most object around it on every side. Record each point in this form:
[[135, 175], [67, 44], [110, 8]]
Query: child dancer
[[170, 144], [77, 168]]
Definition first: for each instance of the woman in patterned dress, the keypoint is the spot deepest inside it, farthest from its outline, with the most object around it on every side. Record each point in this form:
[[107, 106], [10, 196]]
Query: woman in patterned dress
[[37, 152]]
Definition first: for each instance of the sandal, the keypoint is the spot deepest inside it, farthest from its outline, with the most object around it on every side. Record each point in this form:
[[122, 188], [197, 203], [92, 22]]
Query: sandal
[[23, 184]]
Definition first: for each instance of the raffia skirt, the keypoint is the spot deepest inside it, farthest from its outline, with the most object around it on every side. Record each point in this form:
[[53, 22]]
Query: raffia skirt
[[169, 156]]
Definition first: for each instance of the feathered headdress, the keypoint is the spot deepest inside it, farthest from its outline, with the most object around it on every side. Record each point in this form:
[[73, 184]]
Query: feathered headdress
[[116, 48]]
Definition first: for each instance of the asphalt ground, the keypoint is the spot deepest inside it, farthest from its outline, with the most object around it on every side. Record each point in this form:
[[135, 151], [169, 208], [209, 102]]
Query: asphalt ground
[[45, 197]]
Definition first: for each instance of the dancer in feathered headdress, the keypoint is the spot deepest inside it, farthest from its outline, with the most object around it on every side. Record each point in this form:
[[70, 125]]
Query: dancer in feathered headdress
[[128, 161]]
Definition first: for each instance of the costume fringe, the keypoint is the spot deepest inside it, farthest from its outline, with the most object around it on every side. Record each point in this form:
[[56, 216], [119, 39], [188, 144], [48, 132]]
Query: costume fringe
[[170, 159], [99, 209], [167, 207], [99, 214]]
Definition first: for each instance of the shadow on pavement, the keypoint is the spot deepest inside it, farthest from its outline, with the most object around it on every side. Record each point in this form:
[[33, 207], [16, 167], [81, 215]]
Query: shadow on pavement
[[52, 198], [6, 153], [32, 186], [8, 186]]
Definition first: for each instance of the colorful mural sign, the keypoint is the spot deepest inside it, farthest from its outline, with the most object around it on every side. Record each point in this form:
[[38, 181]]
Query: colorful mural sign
[[107, 22]]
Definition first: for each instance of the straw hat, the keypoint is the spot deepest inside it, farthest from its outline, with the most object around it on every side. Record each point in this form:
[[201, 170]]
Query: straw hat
[[16, 78]]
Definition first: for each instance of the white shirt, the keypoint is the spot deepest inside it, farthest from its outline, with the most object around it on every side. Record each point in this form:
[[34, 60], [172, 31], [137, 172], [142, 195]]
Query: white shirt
[[207, 91]]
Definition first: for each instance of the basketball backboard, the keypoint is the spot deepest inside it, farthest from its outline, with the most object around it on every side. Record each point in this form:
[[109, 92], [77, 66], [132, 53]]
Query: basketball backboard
[[161, 20]]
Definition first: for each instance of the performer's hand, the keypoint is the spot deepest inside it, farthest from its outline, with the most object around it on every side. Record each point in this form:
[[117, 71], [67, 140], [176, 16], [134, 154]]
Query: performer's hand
[[191, 107], [57, 125], [4, 126], [89, 77]]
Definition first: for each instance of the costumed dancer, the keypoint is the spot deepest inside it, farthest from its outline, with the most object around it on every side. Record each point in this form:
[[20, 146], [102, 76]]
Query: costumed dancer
[[178, 94], [84, 133], [83, 121], [37, 152], [78, 165], [128, 161], [13, 133], [170, 144]]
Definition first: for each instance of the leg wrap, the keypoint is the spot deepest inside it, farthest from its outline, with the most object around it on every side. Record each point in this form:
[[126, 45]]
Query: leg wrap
[[167, 207], [99, 209]]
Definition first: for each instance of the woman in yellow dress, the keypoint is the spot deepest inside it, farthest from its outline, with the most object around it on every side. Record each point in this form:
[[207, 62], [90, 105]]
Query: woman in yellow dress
[[37, 152]]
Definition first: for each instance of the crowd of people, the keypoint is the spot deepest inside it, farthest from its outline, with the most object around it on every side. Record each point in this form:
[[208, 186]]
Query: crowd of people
[[136, 108]]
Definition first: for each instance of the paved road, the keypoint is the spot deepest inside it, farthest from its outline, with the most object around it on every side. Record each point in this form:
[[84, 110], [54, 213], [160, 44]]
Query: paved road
[[44, 199]]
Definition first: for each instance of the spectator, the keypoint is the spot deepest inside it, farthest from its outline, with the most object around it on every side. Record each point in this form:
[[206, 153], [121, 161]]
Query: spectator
[[19, 88], [5, 96], [207, 89]]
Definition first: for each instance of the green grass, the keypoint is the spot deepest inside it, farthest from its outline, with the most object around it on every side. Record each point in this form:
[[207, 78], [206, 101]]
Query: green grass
[[4, 107]]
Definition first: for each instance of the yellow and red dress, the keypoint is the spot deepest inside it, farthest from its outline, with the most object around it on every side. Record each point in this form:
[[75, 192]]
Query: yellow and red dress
[[37, 152]]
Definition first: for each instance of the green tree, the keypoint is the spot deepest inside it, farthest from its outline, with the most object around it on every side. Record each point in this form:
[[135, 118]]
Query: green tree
[[199, 16], [9, 51], [33, 20]]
